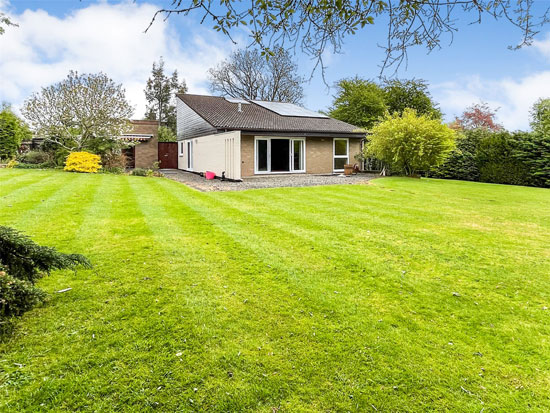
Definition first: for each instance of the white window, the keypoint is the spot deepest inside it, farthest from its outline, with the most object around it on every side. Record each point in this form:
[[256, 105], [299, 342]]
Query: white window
[[279, 155], [180, 147], [341, 153], [189, 144]]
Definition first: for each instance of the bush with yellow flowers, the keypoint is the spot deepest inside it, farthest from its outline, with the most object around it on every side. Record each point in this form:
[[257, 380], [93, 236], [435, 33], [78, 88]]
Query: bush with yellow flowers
[[83, 162]]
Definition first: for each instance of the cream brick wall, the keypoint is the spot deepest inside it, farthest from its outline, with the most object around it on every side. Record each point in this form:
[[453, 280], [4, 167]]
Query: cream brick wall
[[318, 154], [247, 155]]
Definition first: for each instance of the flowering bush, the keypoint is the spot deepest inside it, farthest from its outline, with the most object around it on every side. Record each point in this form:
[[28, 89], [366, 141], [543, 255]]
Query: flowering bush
[[83, 162]]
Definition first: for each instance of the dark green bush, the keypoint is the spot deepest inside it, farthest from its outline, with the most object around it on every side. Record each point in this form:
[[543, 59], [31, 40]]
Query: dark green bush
[[497, 161], [22, 263], [35, 157], [461, 162], [17, 296], [533, 150], [498, 157]]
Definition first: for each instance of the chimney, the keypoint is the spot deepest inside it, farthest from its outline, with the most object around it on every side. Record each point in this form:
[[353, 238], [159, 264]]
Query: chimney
[[240, 109]]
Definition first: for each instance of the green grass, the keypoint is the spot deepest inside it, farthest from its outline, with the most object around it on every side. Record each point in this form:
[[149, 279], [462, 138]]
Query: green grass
[[338, 298]]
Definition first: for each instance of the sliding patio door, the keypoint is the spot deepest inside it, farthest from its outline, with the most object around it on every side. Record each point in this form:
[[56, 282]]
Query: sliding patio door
[[279, 155]]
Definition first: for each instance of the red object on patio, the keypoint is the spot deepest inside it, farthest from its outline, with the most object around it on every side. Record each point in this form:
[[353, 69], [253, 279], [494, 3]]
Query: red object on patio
[[210, 175]]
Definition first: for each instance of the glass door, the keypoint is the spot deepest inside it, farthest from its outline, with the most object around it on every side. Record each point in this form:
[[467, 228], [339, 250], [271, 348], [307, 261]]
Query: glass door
[[190, 155]]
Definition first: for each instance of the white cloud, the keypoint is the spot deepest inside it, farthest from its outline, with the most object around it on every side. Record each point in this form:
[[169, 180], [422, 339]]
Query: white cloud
[[102, 37], [513, 97]]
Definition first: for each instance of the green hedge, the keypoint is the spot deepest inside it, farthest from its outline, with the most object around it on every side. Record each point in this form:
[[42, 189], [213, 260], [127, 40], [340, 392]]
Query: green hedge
[[498, 157]]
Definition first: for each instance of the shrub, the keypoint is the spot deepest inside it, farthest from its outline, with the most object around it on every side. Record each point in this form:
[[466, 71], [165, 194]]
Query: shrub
[[22, 263], [34, 166], [498, 163], [409, 143], [462, 161], [114, 160], [17, 296], [35, 157], [533, 150], [139, 172], [82, 162]]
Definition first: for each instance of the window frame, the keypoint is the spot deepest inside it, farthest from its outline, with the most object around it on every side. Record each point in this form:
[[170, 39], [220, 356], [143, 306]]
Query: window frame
[[334, 156]]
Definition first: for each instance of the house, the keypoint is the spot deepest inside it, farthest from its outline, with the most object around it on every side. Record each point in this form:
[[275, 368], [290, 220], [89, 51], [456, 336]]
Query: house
[[144, 136], [244, 138]]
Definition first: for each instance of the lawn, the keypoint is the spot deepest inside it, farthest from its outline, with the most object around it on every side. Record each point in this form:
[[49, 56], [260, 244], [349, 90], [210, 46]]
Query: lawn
[[400, 295]]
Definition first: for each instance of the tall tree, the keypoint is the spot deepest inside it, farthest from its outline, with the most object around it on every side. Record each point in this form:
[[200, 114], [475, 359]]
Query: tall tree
[[478, 116], [80, 111], [317, 25], [160, 93], [363, 102], [413, 93], [12, 132], [247, 74], [359, 102]]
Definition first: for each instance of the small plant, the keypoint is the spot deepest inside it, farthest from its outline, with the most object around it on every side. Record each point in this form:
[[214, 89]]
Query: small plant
[[12, 164], [139, 172], [83, 162], [22, 263]]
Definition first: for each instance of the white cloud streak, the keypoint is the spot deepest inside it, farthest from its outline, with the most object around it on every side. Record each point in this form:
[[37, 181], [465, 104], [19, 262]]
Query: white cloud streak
[[102, 37], [513, 97]]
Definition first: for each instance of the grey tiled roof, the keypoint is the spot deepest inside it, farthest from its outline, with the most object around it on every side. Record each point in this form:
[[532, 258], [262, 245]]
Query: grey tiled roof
[[222, 114]]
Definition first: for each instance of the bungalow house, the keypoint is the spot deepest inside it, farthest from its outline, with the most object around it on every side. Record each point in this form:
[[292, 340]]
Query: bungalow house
[[244, 138]]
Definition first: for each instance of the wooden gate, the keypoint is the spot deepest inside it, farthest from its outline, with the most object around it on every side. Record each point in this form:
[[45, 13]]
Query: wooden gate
[[168, 155]]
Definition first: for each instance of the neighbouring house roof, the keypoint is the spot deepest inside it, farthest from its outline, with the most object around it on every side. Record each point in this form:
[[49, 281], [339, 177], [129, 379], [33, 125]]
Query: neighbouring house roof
[[135, 137], [257, 116], [142, 130]]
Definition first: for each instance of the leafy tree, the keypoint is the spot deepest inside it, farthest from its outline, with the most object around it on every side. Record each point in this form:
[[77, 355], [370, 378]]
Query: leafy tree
[[160, 92], [410, 143], [359, 102], [12, 132], [363, 102], [246, 74], [22, 263], [80, 112], [402, 94], [540, 116], [316, 25], [478, 116], [166, 135]]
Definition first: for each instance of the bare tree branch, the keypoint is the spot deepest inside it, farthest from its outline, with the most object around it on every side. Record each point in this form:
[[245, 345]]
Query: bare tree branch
[[316, 26]]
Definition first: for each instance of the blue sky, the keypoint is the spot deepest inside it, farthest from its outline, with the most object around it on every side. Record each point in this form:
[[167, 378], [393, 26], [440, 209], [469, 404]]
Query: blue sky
[[54, 37]]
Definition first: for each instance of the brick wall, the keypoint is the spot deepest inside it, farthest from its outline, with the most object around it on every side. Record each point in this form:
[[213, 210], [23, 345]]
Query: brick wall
[[318, 154], [146, 153], [247, 155]]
